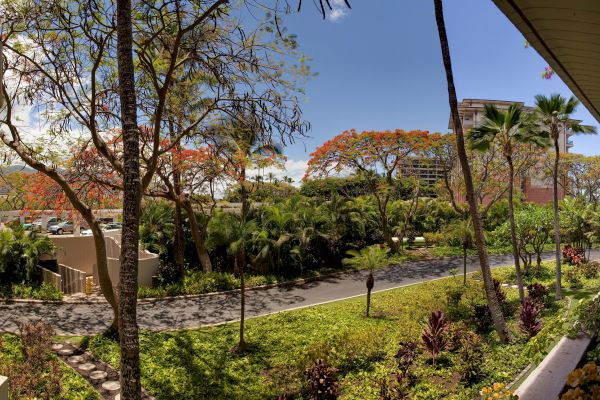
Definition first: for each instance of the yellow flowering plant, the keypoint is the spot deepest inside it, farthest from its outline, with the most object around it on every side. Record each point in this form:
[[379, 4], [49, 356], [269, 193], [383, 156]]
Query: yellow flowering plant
[[584, 383], [497, 391]]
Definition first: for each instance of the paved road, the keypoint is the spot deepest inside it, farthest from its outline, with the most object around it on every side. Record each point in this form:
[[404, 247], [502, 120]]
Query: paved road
[[172, 314]]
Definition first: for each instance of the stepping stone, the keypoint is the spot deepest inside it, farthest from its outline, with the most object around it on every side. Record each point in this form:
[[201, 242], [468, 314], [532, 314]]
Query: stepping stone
[[98, 375], [87, 367], [57, 346], [75, 359], [118, 397], [66, 352], [111, 386]]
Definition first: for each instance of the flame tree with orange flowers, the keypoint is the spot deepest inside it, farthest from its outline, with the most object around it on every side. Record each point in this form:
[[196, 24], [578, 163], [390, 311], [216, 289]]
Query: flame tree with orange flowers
[[381, 158]]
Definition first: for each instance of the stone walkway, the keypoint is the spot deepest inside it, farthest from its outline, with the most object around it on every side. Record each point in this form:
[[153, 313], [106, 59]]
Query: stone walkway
[[101, 376], [183, 313]]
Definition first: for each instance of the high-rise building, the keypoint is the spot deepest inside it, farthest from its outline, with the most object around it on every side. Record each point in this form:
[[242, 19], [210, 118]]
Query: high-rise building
[[535, 185]]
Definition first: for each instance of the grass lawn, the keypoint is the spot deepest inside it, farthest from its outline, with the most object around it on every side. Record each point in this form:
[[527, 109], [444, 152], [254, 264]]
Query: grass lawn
[[73, 386], [204, 364]]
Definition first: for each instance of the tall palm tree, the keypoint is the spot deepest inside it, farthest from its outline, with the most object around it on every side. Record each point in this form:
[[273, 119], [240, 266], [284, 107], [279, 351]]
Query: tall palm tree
[[132, 194], [492, 299], [508, 129], [555, 114]]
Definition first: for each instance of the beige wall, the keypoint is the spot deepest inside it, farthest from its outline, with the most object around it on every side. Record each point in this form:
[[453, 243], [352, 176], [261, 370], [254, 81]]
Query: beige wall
[[3, 388], [76, 252], [80, 253]]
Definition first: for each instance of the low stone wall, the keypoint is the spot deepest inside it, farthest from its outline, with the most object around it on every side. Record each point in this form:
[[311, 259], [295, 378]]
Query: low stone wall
[[3, 388], [52, 278]]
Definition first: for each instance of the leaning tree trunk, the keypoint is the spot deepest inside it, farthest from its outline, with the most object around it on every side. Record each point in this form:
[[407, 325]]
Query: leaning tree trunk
[[102, 269], [128, 329], [199, 238], [513, 229], [556, 220], [492, 299]]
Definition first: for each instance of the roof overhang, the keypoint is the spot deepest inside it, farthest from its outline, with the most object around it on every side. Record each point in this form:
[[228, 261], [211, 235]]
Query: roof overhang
[[567, 36]]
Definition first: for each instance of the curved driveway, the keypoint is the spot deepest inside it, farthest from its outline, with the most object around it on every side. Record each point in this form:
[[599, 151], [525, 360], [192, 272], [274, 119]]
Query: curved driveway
[[179, 313]]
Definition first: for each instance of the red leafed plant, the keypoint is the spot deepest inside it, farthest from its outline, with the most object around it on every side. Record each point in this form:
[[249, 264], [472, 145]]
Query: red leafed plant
[[322, 380], [529, 313], [573, 255], [434, 335]]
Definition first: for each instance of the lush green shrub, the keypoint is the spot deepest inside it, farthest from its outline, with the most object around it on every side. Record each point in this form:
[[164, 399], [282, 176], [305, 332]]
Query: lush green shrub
[[20, 252], [43, 291], [347, 351], [435, 238], [538, 293], [470, 353], [590, 269], [196, 282], [573, 278]]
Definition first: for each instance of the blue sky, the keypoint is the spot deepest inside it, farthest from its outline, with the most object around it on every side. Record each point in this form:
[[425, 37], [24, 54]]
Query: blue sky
[[379, 67]]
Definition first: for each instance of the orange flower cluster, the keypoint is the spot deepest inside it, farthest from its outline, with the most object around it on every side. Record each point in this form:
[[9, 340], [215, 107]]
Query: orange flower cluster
[[584, 383], [497, 391]]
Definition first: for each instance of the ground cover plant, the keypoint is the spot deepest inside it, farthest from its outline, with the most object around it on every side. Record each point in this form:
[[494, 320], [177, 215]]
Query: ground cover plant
[[36, 374], [364, 351]]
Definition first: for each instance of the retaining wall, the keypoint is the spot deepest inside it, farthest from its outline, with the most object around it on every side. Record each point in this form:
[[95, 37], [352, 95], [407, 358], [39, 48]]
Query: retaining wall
[[3, 388]]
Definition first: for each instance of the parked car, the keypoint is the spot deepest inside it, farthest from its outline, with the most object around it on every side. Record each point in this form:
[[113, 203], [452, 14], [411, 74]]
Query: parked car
[[36, 225], [59, 229], [106, 227], [112, 226]]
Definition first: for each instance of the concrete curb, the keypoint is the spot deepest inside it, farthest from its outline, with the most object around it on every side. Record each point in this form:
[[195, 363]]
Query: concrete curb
[[548, 378]]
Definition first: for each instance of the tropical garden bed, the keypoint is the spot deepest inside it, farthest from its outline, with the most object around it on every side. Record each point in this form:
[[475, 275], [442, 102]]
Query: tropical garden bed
[[39, 374], [204, 363]]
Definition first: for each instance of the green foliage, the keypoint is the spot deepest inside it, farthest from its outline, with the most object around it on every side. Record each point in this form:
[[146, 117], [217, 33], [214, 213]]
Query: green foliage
[[43, 291], [580, 223], [533, 227], [200, 363], [35, 373], [587, 316], [263, 192], [370, 258], [327, 188], [20, 252]]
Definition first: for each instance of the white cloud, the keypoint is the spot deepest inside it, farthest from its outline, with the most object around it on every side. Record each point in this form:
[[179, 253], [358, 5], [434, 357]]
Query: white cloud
[[339, 11], [294, 169]]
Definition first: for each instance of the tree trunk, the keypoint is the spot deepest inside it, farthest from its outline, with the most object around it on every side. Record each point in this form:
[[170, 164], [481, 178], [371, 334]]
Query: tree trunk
[[556, 220], [128, 329], [179, 255], [199, 238], [370, 285], [242, 343], [241, 259], [493, 304], [179, 242], [513, 229], [102, 268], [464, 264]]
